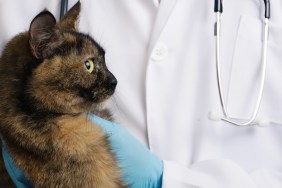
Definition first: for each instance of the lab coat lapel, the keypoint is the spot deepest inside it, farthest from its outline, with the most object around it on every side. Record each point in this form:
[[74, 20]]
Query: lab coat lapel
[[164, 11]]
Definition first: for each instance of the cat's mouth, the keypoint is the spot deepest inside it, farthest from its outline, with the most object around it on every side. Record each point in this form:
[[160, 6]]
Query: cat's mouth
[[97, 93], [100, 90], [85, 94]]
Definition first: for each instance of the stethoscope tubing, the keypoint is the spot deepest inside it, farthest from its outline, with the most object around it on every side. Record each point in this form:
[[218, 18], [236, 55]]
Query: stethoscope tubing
[[63, 8], [226, 117]]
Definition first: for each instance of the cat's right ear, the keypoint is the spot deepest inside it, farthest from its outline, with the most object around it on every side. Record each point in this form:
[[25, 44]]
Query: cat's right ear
[[70, 19], [42, 34]]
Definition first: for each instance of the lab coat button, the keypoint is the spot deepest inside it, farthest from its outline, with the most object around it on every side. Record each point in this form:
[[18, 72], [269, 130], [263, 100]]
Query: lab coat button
[[160, 51]]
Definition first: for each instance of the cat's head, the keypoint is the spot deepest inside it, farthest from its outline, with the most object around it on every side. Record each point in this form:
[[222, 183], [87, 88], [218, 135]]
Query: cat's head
[[72, 75]]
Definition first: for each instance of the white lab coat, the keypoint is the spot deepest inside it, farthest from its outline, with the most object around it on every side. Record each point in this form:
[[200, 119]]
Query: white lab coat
[[167, 97]]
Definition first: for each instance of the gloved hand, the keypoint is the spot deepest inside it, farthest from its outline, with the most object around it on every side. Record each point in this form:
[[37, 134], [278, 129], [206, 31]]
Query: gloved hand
[[16, 174], [140, 168]]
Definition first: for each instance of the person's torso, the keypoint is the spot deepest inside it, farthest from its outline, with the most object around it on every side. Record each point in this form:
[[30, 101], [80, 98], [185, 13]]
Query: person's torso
[[164, 60]]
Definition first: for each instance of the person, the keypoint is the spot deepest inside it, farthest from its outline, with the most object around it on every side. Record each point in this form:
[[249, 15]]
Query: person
[[167, 105]]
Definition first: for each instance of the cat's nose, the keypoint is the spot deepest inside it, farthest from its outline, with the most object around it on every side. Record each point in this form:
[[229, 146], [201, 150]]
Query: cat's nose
[[112, 81]]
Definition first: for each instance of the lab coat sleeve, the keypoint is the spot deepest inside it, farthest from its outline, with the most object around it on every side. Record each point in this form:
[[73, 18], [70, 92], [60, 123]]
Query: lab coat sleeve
[[218, 173]]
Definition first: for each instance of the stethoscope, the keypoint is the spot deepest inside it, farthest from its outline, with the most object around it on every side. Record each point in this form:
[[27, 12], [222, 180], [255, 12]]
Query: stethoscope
[[218, 9], [63, 8]]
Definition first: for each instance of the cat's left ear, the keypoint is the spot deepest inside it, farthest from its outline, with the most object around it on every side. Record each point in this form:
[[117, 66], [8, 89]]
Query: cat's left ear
[[43, 35], [69, 20]]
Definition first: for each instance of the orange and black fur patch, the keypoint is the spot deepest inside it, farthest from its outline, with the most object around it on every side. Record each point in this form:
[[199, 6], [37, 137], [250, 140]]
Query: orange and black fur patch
[[50, 78]]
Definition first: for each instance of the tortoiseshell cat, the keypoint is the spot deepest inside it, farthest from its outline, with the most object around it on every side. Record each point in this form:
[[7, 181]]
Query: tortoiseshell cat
[[50, 78]]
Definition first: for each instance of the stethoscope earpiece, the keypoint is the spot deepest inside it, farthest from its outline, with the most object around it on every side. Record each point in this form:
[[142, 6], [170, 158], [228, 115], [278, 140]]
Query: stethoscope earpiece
[[218, 6], [267, 8]]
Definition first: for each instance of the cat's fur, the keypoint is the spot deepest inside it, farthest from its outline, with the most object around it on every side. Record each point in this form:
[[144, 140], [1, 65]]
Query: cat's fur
[[45, 95]]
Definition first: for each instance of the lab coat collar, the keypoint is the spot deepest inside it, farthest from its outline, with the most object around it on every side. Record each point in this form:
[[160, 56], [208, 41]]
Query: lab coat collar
[[164, 11]]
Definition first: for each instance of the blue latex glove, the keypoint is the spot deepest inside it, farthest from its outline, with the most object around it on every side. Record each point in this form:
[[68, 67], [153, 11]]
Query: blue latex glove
[[140, 168]]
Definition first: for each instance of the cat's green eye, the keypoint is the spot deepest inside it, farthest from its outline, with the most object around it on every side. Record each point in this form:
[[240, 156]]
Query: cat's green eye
[[89, 65]]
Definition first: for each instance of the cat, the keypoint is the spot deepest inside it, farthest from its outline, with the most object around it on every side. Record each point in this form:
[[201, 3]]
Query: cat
[[51, 77]]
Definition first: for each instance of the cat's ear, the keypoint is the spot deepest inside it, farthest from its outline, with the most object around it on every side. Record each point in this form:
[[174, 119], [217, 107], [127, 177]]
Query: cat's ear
[[69, 20], [42, 34]]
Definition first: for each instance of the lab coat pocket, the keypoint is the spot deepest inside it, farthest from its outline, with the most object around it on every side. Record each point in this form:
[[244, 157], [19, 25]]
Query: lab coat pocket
[[242, 144], [245, 78]]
